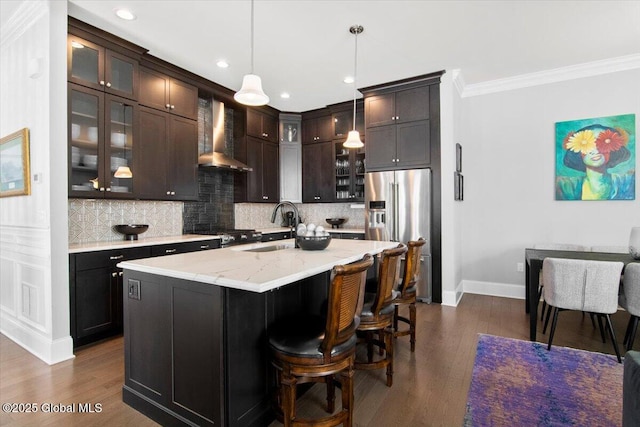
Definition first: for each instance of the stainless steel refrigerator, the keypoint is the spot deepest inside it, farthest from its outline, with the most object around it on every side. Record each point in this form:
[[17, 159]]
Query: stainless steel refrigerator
[[398, 209]]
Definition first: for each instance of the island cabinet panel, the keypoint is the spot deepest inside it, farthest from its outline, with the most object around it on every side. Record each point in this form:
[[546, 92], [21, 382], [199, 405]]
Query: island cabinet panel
[[173, 350], [198, 353]]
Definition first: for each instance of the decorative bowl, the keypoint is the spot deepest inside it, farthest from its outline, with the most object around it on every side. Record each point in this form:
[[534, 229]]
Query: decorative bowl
[[313, 243], [131, 231], [336, 222]]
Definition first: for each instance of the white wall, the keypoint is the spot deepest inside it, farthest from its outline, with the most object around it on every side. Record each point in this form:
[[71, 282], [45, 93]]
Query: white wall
[[34, 280], [509, 169]]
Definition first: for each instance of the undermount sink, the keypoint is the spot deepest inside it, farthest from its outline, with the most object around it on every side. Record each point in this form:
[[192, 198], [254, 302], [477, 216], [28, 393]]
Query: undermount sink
[[269, 248]]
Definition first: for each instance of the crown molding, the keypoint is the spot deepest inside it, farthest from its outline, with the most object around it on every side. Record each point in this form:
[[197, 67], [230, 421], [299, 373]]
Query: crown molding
[[27, 14], [590, 69]]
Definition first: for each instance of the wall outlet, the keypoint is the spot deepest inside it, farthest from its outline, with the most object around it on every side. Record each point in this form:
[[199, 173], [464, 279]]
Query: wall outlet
[[134, 289], [519, 267]]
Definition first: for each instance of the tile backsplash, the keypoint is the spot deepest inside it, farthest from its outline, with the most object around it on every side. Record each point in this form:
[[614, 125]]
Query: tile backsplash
[[93, 220], [258, 215]]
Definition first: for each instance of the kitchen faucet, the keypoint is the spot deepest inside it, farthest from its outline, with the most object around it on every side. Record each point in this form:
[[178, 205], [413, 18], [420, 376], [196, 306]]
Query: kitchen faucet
[[296, 216]]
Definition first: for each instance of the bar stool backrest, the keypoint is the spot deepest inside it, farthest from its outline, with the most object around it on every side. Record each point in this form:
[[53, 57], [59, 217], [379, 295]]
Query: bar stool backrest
[[388, 277], [347, 286], [412, 264]]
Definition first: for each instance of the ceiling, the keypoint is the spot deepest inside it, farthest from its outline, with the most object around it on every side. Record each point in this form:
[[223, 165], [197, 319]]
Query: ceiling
[[304, 47]]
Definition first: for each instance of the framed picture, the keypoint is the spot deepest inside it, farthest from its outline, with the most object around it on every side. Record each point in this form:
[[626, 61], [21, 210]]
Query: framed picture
[[458, 157], [14, 164], [458, 186]]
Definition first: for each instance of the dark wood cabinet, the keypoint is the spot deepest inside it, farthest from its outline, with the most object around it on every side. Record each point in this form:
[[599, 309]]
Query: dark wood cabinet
[[398, 129], [346, 236], [95, 293], [93, 65], [167, 157], [317, 172], [165, 93], [401, 146], [349, 172], [317, 126], [262, 183], [261, 125], [102, 136]]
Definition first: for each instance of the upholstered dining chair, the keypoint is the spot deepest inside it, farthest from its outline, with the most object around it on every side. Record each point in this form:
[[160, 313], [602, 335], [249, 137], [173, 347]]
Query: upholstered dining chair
[[407, 290], [315, 349], [555, 247], [376, 318], [588, 286], [629, 299]]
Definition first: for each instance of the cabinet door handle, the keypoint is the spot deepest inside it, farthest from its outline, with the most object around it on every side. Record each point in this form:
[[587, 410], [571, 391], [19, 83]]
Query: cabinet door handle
[[108, 84], [167, 106], [121, 273], [397, 117], [101, 82], [204, 246], [108, 188], [114, 257], [114, 274], [101, 188], [169, 251], [168, 193], [173, 193], [173, 107]]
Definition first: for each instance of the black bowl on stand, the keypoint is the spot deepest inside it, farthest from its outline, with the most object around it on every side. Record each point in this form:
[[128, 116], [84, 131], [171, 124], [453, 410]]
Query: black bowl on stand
[[313, 243], [336, 222], [131, 231]]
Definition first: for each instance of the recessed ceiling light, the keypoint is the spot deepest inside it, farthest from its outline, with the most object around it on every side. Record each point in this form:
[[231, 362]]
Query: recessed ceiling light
[[284, 95], [348, 80], [125, 14], [222, 63]]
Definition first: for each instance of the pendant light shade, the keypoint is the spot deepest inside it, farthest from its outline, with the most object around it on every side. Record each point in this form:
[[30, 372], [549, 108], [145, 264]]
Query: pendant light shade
[[353, 138], [123, 172], [251, 92]]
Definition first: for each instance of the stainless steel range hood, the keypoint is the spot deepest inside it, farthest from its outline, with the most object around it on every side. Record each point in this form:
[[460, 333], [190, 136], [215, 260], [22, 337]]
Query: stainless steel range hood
[[215, 133]]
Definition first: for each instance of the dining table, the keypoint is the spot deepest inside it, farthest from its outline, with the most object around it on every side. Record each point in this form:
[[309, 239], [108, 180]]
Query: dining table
[[534, 259]]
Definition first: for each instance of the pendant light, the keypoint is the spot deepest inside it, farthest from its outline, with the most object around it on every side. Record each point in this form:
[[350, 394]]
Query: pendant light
[[251, 92], [353, 138]]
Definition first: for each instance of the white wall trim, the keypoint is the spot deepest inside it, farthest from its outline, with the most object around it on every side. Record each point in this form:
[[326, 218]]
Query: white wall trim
[[49, 351], [22, 19], [452, 298], [505, 290], [573, 72]]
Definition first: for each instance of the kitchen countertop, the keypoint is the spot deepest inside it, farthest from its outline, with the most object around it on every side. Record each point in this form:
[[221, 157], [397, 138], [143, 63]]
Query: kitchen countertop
[[235, 267], [119, 244]]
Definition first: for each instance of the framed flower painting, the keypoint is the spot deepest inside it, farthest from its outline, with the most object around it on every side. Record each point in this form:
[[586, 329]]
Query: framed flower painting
[[596, 158]]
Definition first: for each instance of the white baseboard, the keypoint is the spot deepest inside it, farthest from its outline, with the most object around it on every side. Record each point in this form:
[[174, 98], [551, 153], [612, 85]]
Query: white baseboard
[[49, 351], [505, 290]]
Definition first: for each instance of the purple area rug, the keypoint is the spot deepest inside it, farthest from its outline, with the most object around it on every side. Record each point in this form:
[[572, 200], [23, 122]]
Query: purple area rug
[[520, 383]]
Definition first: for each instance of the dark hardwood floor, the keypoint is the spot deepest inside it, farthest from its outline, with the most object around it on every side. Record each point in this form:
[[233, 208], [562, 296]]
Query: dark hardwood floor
[[429, 389]]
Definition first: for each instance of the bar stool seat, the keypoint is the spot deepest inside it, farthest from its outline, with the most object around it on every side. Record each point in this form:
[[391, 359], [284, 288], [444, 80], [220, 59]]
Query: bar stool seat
[[309, 348]]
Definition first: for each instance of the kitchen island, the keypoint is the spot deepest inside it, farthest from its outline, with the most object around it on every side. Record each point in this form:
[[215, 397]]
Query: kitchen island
[[195, 326]]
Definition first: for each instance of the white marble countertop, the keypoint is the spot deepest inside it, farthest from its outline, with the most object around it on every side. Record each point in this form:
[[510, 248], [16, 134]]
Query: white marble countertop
[[119, 244], [236, 267]]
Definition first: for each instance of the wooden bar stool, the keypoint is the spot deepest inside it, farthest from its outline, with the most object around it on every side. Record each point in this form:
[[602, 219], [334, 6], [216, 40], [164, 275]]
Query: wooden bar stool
[[407, 291], [316, 349], [377, 313]]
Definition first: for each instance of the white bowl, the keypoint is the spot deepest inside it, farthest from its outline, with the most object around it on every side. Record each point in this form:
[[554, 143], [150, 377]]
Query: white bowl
[[90, 160], [92, 134], [118, 139], [75, 131]]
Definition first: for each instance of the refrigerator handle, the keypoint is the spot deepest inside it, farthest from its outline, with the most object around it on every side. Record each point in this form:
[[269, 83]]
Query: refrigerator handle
[[396, 188], [391, 217]]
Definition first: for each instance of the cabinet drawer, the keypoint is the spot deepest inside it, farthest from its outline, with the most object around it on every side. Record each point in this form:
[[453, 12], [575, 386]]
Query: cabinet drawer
[[275, 236], [180, 248], [101, 259]]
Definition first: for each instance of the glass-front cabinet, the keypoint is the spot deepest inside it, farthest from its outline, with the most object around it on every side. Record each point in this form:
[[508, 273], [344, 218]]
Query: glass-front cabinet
[[101, 144], [99, 68], [349, 172]]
